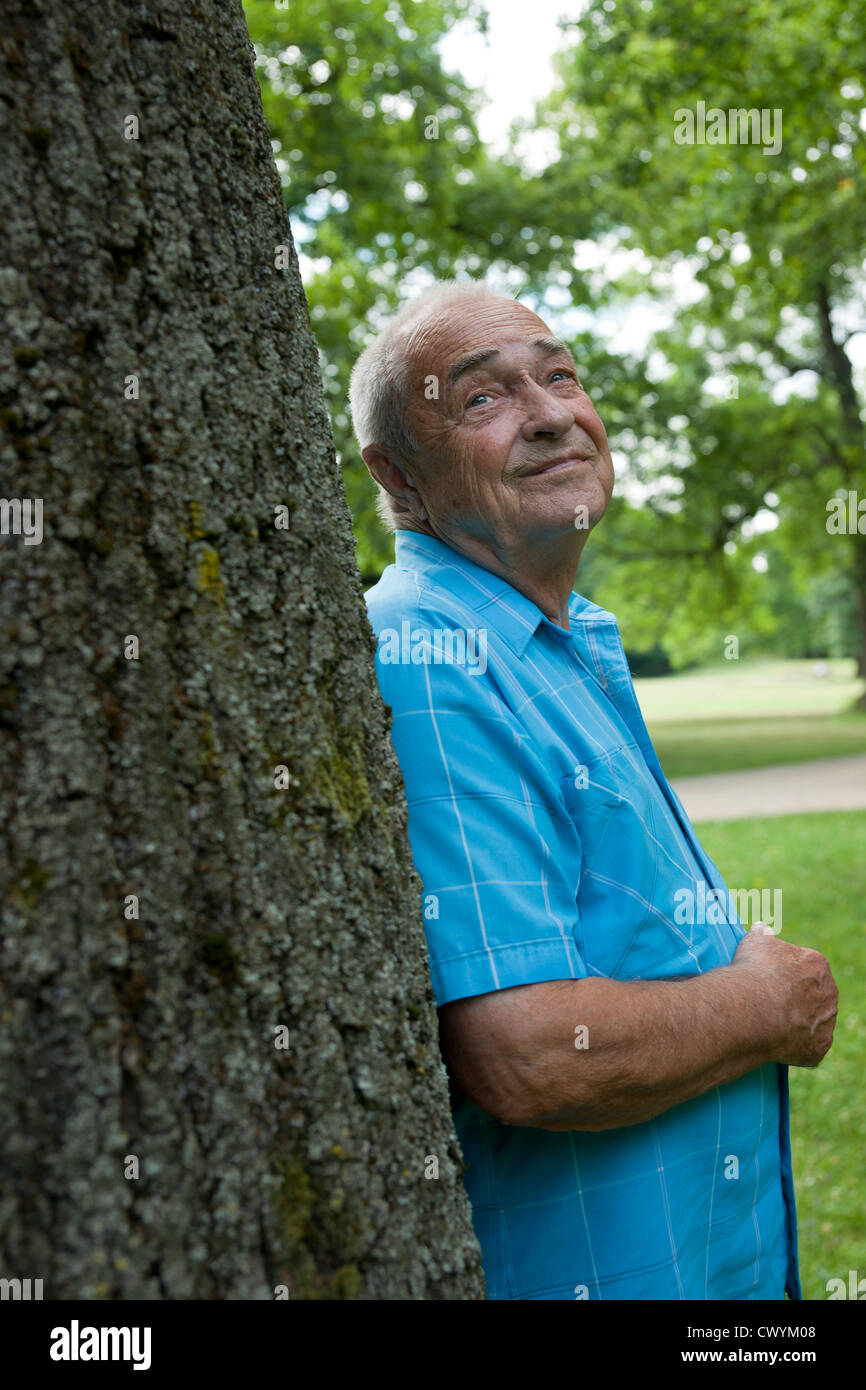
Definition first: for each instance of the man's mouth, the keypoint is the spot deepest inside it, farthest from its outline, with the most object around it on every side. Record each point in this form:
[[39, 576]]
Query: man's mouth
[[557, 465]]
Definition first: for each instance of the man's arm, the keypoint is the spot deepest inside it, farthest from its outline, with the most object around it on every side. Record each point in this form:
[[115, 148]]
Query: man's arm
[[651, 1044]]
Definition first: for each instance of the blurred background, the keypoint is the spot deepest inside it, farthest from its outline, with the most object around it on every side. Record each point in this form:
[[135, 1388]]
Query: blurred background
[[713, 296]]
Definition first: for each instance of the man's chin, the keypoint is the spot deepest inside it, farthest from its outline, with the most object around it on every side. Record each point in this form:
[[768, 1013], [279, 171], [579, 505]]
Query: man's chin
[[559, 527], [580, 513], [588, 508]]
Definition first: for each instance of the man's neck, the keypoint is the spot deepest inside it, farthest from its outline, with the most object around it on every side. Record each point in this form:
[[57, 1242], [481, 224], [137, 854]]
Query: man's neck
[[546, 580]]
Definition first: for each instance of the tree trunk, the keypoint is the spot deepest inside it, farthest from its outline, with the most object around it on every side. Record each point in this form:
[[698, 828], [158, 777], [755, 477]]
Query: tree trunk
[[168, 905], [858, 566], [840, 374]]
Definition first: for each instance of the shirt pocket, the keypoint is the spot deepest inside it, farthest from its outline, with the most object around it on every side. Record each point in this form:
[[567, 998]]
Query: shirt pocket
[[613, 816], [634, 863]]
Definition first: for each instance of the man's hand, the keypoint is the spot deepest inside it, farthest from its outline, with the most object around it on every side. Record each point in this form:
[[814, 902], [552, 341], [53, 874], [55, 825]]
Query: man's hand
[[801, 993], [652, 1043]]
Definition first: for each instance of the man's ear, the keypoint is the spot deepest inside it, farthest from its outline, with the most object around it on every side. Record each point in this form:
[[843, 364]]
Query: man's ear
[[391, 474]]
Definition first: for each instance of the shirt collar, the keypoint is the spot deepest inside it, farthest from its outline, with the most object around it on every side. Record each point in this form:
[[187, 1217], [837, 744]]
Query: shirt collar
[[515, 617]]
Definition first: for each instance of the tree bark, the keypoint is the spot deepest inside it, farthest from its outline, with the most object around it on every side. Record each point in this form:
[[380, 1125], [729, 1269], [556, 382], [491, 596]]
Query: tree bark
[[160, 393]]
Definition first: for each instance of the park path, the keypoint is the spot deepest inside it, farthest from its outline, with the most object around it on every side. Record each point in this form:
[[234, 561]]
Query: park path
[[827, 784]]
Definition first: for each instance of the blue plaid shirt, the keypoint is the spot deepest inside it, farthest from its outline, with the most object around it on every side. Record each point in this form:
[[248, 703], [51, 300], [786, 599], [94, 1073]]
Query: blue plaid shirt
[[551, 847]]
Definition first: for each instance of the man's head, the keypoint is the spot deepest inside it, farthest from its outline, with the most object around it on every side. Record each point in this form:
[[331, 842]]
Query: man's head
[[472, 419]]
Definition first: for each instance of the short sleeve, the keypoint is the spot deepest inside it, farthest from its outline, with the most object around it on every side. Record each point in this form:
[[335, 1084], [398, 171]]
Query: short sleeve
[[494, 846]]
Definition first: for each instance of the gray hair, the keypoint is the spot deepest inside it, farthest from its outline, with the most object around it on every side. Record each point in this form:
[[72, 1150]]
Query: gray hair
[[379, 384]]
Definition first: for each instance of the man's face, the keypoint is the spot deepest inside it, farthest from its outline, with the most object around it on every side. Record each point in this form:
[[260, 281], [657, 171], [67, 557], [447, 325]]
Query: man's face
[[512, 452]]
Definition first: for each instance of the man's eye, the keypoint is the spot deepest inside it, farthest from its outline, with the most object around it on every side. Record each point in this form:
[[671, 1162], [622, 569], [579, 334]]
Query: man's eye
[[561, 371], [481, 396]]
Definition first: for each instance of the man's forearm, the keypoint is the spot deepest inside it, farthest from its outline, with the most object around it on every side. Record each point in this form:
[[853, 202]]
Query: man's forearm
[[648, 1045]]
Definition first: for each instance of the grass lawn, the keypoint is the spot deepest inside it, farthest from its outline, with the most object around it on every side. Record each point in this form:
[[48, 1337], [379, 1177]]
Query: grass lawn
[[740, 715], [819, 862]]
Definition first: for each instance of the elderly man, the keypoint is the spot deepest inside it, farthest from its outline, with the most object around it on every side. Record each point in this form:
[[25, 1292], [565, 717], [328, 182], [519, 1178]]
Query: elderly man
[[619, 1078]]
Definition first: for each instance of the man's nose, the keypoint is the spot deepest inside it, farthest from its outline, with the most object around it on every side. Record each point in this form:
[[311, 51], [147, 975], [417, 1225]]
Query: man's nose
[[544, 413]]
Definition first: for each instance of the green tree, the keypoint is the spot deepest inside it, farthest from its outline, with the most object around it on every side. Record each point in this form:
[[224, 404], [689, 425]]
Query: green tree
[[776, 242], [376, 146]]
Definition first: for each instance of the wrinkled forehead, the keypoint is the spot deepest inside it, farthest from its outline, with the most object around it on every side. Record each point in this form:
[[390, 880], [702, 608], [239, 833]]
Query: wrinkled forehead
[[439, 342]]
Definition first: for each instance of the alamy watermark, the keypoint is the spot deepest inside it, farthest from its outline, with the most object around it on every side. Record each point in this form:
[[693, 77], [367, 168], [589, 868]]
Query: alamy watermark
[[717, 906], [21, 1289], [77, 1343], [846, 515], [22, 516], [732, 126], [856, 1287], [423, 646]]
